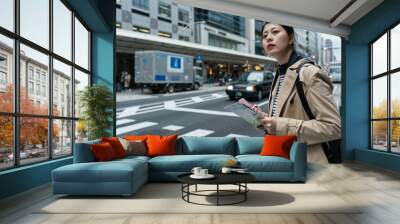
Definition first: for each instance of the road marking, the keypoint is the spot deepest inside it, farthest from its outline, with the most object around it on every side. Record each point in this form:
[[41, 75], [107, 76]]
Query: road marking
[[152, 107], [173, 127], [236, 135], [169, 104], [134, 127], [200, 111], [124, 121], [199, 133], [161, 106], [128, 112], [197, 99]]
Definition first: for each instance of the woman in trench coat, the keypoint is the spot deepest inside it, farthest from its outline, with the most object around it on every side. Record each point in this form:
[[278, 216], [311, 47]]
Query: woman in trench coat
[[286, 115]]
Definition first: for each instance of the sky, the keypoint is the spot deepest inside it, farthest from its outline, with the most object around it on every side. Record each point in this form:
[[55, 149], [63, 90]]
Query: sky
[[35, 27]]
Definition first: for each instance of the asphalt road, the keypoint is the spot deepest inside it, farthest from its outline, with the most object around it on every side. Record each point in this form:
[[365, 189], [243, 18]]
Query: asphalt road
[[192, 113]]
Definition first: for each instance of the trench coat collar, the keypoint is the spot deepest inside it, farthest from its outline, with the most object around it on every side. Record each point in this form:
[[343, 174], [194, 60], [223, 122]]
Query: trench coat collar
[[286, 88]]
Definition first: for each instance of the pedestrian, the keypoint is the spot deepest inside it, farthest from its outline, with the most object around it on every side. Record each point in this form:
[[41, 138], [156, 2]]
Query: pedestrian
[[286, 112], [127, 81]]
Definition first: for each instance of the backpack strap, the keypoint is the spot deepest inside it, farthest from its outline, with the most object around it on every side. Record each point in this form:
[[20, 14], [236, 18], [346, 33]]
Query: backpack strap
[[300, 91]]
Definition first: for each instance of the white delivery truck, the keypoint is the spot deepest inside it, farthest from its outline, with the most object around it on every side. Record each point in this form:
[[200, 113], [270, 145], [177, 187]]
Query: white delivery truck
[[165, 71]]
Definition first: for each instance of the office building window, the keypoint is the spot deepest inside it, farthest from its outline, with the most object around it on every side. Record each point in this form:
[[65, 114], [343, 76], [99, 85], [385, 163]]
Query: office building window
[[184, 38], [52, 125], [164, 9], [3, 78], [142, 4], [385, 96], [183, 15]]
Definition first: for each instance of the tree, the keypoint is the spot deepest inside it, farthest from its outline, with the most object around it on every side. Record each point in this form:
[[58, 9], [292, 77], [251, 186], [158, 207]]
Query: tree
[[97, 103], [33, 131]]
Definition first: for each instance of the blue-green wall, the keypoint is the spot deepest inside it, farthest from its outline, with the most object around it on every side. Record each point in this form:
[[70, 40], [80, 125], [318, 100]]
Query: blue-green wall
[[356, 120], [99, 16]]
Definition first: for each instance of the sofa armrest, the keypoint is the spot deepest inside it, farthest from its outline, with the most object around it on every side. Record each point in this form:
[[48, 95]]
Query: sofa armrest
[[83, 152], [298, 155]]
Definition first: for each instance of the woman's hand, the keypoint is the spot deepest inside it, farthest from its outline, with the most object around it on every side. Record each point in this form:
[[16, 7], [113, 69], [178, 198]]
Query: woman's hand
[[268, 123]]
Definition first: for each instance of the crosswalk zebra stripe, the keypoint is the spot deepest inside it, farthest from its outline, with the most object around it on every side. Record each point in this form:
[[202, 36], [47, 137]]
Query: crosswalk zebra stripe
[[199, 133], [173, 127], [151, 108], [124, 121], [129, 111], [200, 111], [134, 127], [236, 135]]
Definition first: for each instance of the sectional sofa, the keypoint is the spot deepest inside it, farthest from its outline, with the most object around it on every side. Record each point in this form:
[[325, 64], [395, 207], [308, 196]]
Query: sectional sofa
[[125, 176]]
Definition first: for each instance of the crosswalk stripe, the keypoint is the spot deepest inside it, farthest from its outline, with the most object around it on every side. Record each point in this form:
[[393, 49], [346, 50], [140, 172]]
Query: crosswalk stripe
[[124, 121], [151, 108], [173, 127], [199, 133], [168, 104], [135, 127], [236, 135], [197, 99], [200, 111], [129, 111]]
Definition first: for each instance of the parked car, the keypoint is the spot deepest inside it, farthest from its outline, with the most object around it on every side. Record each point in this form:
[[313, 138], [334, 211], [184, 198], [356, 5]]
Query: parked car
[[253, 85]]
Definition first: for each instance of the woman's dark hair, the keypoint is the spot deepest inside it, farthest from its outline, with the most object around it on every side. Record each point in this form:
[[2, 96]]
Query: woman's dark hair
[[288, 29]]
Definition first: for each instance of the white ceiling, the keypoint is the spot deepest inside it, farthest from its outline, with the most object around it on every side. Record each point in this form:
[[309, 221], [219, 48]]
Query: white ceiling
[[315, 15]]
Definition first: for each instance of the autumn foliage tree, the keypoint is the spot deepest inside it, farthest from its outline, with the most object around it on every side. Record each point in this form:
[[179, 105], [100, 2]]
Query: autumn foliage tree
[[380, 127], [33, 131]]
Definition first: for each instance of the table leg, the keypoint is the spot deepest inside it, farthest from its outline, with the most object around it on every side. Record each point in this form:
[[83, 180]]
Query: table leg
[[217, 194], [245, 191], [196, 188]]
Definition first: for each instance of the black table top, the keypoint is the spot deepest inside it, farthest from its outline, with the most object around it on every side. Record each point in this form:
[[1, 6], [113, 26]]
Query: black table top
[[220, 178]]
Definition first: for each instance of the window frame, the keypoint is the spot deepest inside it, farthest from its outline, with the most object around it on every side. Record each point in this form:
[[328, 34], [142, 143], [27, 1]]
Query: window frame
[[16, 114], [388, 74]]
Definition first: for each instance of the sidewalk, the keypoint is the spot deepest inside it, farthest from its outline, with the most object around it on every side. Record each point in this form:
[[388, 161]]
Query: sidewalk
[[136, 94]]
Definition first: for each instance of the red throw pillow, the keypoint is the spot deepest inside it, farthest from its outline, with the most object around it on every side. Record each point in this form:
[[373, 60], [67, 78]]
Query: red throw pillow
[[136, 137], [103, 151], [116, 145], [277, 145], [161, 145]]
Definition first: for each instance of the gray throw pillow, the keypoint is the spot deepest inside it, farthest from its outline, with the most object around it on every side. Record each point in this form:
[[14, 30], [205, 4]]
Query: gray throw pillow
[[137, 148]]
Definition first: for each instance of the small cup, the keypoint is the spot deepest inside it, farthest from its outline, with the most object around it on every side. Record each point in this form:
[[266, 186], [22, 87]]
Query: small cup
[[203, 172], [196, 170], [226, 170]]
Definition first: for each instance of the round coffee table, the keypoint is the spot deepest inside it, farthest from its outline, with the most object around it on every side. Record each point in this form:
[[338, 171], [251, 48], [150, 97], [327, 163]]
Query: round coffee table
[[238, 179]]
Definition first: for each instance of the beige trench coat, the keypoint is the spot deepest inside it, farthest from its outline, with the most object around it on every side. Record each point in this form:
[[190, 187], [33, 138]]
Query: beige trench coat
[[293, 119]]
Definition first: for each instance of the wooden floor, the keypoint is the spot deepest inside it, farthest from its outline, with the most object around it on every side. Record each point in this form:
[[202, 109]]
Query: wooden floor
[[378, 189]]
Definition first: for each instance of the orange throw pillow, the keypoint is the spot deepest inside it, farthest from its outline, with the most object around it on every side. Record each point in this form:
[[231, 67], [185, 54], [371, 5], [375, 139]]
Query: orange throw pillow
[[116, 145], [136, 137], [161, 145], [277, 145], [103, 152]]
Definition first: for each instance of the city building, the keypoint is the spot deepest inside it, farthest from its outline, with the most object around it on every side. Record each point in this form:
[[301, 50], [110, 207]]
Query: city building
[[157, 17], [164, 18]]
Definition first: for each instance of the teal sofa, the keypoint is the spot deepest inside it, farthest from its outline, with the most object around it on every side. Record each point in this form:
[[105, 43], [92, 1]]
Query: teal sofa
[[125, 176]]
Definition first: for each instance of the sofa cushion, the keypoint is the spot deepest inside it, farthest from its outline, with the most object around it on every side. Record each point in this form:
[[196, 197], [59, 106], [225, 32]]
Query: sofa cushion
[[257, 163], [249, 145], [185, 163], [136, 147], [191, 145], [116, 145], [112, 171], [161, 145], [83, 152], [277, 145], [103, 152]]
